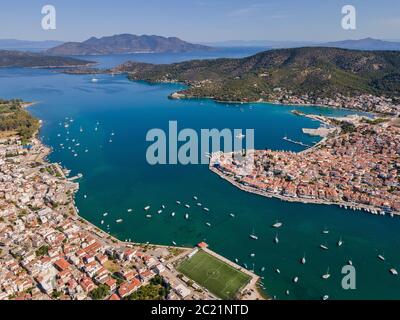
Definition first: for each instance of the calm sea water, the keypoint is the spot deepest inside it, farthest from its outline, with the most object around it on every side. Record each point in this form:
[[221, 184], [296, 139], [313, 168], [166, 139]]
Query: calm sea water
[[117, 177]]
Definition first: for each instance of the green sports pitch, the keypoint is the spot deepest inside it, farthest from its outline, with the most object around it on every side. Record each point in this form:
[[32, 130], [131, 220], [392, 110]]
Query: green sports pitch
[[213, 274]]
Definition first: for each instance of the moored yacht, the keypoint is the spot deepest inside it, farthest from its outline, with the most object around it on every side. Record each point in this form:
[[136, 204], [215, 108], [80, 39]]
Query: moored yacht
[[326, 275]]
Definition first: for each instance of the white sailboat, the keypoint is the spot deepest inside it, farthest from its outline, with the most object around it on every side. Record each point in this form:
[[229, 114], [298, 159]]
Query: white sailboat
[[208, 224], [325, 297], [129, 210], [159, 211], [278, 271], [394, 271], [194, 197], [148, 216], [232, 215], [277, 224], [276, 239], [303, 259], [186, 216], [262, 269], [326, 275], [340, 242], [324, 247], [253, 235], [178, 202], [206, 209], [146, 208], [296, 279], [173, 214], [381, 257], [119, 220], [187, 206]]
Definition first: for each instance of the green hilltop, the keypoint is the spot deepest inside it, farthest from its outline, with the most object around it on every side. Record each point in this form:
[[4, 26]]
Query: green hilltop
[[315, 71]]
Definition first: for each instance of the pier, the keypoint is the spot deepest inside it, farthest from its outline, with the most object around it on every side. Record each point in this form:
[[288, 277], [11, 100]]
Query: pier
[[296, 142]]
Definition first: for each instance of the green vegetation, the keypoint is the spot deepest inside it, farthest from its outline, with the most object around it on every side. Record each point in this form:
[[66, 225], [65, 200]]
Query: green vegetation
[[318, 72], [43, 250], [14, 119], [157, 289], [347, 127], [29, 59], [215, 275], [99, 293]]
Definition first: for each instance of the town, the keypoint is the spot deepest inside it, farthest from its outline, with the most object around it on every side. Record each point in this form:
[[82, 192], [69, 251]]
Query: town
[[356, 166], [48, 252]]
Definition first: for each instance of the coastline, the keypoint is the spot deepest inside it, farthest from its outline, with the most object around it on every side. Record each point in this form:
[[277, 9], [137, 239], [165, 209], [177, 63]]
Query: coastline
[[113, 241], [249, 189]]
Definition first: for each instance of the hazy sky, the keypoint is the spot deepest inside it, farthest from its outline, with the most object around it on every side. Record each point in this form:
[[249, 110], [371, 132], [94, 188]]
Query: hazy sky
[[201, 20]]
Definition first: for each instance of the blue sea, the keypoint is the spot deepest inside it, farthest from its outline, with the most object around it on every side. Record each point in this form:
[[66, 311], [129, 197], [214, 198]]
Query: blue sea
[[117, 177]]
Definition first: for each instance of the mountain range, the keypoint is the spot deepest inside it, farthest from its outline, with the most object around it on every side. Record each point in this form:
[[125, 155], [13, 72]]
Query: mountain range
[[361, 44], [125, 43], [14, 44]]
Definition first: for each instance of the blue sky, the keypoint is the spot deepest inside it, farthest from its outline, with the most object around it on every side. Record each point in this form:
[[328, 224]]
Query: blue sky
[[201, 20]]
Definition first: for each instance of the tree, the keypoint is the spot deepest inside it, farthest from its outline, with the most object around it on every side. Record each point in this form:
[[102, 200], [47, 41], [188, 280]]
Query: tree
[[99, 293]]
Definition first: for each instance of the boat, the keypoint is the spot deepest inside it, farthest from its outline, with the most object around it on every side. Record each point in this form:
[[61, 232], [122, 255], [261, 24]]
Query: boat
[[85, 196], [146, 208], [173, 214], [296, 279], [194, 197], [381, 257], [303, 260], [245, 265], [198, 204], [186, 216], [129, 210], [394, 271], [252, 255], [350, 262], [236, 260], [187, 206], [95, 80], [178, 202], [148, 216], [326, 275], [340, 242], [262, 269], [105, 214], [278, 271], [102, 221], [163, 206], [206, 209], [208, 224], [119, 220], [232, 215], [276, 239], [324, 247], [325, 297], [253, 236], [174, 243], [325, 231], [159, 211], [287, 292], [277, 224]]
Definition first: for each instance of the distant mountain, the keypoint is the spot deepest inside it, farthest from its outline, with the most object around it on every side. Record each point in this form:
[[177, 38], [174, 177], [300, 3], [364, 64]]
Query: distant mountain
[[261, 43], [315, 71], [32, 60], [364, 44], [14, 44], [126, 43]]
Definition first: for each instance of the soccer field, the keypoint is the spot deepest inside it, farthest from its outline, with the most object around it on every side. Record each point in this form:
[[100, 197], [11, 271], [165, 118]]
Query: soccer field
[[217, 276]]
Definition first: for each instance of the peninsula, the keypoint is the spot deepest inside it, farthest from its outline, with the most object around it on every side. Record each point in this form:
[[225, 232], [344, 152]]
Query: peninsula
[[357, 166], [363, 80]]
